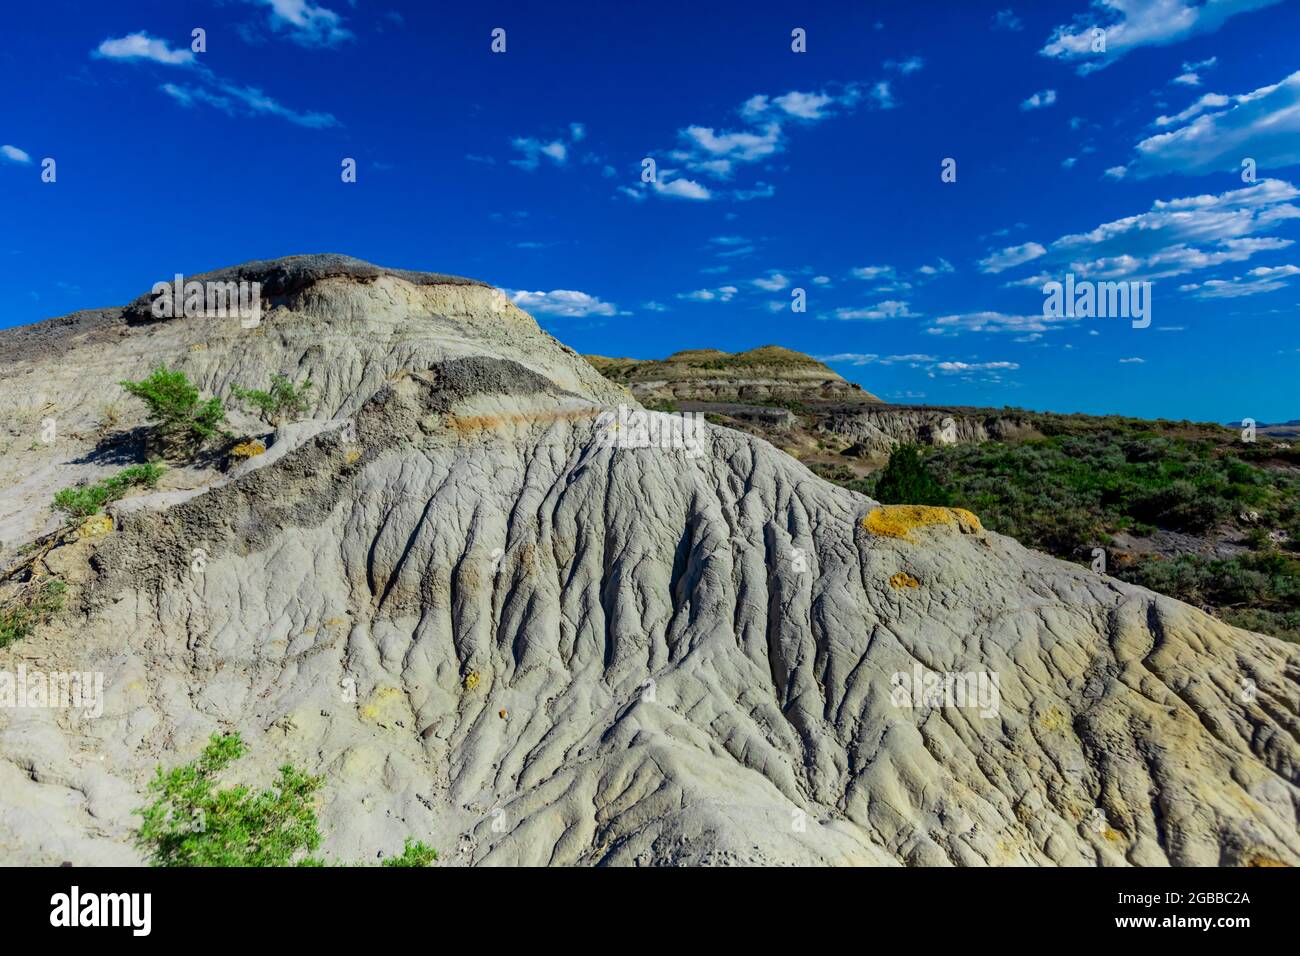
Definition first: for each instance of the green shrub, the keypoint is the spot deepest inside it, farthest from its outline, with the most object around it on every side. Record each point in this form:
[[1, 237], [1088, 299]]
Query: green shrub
[[28, 609], [193, 823], [414, 853], [181, 421], [81, 502], [283, 402], [905, 481]]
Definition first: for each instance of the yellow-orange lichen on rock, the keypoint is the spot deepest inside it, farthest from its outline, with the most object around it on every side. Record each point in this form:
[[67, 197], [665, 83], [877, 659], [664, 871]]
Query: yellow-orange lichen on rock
[[248, 449], [898, 521], [96, 526], [903, 580]]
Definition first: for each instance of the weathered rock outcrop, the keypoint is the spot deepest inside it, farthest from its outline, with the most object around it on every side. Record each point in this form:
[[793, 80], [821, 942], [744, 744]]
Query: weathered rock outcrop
[[501, 620], [877, 430], [765, 374]]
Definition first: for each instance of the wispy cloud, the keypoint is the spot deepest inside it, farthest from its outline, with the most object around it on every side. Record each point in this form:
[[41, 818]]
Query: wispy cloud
[[1039, 100], [141, 46], [14, 155], [1217, 131], [1007, 20], [1010, 257], [245, 101], [994, 322], [888, 309], [534, 150], [207, 88], [567, 303], [1254, 282], [306, 23], [706, 158], [721, 294], [1130, 24], [910, 65]]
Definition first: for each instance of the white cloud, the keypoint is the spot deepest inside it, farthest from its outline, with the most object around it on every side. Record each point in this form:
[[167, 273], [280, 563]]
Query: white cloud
[[1263, 125], [809, 106], [954, 368], [889, 309], [1010, 256], [743, 146], [943, 267], [913, 359], [717, 153], [141, 46], [905, 67], [1068, 162], [1007, 20], [993, 322], [851, 358], [1254, 282], [873, 272], [774, 282], [1039, 100], [883, 95], [1130, 24], [307, 24], [230, 98], [534, 149], [245, 100], [1170, 224], [562, 302], [721, 294], [1206, 102], [14, 154], [1116, 172], [1132, 361], [1187, 79], [682, 189]]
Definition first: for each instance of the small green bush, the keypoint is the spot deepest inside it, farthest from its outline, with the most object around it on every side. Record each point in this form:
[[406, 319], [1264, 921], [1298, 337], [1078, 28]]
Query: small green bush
[[181, 421], [191, 823], [905, 481], [81, 502], [283, 402], [414, 853]]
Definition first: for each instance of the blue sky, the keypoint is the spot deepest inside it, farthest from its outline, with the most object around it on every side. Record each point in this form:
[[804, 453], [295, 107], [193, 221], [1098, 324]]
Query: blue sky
[[775, 171]]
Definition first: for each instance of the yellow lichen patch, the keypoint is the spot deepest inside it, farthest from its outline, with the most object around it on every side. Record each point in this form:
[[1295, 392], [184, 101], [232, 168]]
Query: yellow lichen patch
[[384, 702], [1265, 861], [898, 521], [503, 713], [353, 456], [96, 526], [247, 449], [471, 680], [903, 580], [1053, 719], [335, 622]]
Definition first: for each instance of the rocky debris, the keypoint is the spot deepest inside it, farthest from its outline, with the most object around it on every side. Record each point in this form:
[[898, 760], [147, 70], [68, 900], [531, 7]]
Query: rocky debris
[[494, 623]]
